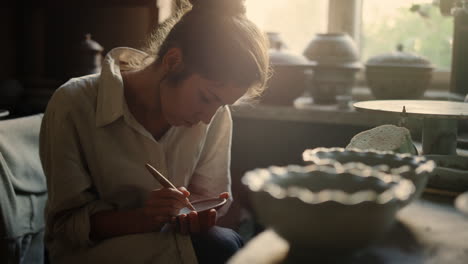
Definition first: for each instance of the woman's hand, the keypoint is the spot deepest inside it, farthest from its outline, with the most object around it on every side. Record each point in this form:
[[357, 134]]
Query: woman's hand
[[194, 222], [162, 205]]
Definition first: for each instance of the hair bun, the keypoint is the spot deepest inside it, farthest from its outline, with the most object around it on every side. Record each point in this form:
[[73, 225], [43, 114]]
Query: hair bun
[[225, 7]]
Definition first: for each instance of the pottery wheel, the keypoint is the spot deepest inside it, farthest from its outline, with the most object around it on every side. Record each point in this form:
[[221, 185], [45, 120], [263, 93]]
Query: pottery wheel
[[440, 120], [417, 108]]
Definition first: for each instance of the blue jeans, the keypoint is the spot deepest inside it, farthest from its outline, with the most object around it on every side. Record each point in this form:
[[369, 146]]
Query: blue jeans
[[216, 245]]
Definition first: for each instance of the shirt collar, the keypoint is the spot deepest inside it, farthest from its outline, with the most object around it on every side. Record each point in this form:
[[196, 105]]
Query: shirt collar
[[110, 98]]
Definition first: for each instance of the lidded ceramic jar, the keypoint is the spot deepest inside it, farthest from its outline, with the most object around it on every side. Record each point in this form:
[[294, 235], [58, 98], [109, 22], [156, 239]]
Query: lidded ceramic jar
[[88, 57], [290, 72], [398, 75], [336, 60]]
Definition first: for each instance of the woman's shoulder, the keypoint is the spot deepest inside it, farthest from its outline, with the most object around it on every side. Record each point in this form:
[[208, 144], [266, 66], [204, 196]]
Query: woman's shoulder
[[80, 91], [222, 119], [224, 112]]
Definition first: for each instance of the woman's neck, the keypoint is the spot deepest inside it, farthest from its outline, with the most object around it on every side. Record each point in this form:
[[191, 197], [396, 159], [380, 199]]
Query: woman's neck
[[142, 89], [142, 94]]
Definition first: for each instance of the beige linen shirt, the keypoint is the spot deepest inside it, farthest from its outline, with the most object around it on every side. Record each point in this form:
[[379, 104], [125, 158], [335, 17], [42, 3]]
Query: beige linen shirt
[[93, 152]]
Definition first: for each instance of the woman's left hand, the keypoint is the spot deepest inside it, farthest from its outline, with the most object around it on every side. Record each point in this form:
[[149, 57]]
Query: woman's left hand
[[194, 222]]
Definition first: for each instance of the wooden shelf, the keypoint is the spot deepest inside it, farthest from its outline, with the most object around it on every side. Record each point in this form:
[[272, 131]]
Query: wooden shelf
[[325, 114]]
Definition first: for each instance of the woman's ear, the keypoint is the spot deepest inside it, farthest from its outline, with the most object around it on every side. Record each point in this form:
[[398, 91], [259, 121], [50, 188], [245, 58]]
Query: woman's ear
[[173, 61]]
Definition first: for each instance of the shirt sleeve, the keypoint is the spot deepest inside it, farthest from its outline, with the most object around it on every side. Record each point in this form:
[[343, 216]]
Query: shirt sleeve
[[71, 197], [212, 174]]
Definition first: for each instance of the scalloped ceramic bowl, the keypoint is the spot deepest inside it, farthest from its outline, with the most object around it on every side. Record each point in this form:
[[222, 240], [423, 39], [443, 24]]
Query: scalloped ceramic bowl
[[414, 168], [327, 207]]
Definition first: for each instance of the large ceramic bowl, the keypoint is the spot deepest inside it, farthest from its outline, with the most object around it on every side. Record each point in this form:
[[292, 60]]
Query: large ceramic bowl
[[327, 207], [397, 83], [414, 168]]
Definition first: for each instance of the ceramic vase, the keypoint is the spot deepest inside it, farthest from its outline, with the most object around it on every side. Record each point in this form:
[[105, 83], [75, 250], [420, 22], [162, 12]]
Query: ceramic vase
[[335, 59]]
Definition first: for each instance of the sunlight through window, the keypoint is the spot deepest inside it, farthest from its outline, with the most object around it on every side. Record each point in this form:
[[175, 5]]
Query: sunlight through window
[[416, 24], [297, 21]]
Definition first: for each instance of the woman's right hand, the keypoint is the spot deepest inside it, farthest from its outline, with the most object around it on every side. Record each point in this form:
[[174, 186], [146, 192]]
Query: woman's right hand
[[161, 205]]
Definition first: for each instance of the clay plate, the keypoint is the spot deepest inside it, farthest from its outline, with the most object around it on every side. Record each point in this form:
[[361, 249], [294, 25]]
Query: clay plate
[[205, 205]]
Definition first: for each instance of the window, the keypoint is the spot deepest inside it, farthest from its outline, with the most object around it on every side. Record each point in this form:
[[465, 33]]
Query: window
[[297, 21], [377, 26], [416, 24]]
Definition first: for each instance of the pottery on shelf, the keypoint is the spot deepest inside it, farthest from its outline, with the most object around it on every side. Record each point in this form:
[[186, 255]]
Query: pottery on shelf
[[417, 169], [289, 74], [336, 61], [326, 206], [88, 57], [398, 75]]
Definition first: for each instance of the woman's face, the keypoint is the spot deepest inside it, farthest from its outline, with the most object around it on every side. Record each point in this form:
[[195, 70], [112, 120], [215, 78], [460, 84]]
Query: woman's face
[[196, 99]]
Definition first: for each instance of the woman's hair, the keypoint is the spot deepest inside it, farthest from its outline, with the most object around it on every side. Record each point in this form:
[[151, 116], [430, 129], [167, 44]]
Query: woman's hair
[[217, 41]]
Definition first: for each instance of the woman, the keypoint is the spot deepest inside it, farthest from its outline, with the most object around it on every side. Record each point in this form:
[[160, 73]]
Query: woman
[[168, 108]]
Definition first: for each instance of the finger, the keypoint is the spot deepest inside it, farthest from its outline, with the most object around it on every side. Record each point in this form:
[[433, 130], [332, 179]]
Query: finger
[[184, 191], [161, 211], [212, 217], [183, 224], [168, 193], [194, 222], [224, 195], [166, 203]]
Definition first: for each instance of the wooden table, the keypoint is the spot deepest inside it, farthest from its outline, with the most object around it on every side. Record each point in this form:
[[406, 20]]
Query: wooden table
[[440, 120], [427, 231]]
